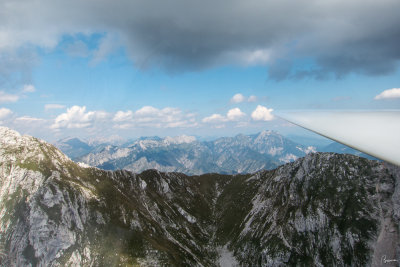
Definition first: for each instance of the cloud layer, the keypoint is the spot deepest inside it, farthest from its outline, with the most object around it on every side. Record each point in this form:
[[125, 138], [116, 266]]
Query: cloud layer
[[234, 114], [149, 116], [77, 117], [339, 37], [389, 94], [8, 98], [147, 120]]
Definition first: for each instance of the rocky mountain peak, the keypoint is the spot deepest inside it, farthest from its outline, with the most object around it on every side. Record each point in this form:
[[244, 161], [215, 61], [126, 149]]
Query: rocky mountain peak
[[73, 141], [25, 150], [324, 209], [9, 136], [182, 139], [266, 133]]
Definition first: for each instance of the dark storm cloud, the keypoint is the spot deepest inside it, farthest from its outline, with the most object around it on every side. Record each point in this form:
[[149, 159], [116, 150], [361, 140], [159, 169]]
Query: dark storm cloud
[[340, 37]]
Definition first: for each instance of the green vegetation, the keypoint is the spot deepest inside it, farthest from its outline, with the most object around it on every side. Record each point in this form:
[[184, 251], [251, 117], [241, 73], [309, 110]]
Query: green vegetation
[[323, 207]]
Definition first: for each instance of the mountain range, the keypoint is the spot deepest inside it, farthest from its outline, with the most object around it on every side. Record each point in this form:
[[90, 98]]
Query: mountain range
[[226, 155], [324, 209]]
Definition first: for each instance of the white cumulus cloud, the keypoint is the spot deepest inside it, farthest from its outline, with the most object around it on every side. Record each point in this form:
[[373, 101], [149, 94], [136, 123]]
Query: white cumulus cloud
[[8, 98], [123, 116], [389, 94], [5, 113], [214, 118], [238, 98], [149, 116], [262, 113], [235, 114], [148, 111], [77, 117], [232, 115]]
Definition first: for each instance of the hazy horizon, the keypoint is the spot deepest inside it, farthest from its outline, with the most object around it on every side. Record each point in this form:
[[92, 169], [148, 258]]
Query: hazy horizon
[[306, 135]]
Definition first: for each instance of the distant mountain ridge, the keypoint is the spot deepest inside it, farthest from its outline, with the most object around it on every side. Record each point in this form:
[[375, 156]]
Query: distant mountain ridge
[[74, 147], [342, 149], [229, 155], [324, 209]]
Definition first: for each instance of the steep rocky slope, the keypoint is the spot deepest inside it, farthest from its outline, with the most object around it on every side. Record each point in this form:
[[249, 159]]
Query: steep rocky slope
[[322, 210]]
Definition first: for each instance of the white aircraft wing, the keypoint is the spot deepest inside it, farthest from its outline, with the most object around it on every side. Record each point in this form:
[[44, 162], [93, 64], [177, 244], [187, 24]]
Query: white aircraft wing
[[376, 133]]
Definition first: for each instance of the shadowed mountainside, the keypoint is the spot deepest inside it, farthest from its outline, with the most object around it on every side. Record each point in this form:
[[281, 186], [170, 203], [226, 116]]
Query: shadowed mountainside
[[323, 209]]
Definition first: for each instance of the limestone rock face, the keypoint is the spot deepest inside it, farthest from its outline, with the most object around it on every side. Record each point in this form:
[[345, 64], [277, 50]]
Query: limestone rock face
[[321, 210]]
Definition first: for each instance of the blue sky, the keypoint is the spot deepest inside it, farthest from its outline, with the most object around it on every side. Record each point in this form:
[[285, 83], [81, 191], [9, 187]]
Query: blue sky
[[102, 70]]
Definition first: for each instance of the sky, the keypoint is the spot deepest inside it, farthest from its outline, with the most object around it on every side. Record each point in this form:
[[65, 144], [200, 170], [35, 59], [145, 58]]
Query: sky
[[110, 69]]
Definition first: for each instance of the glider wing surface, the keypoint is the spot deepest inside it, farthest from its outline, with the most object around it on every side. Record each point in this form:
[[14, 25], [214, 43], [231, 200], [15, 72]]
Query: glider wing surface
[[376, 133]]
